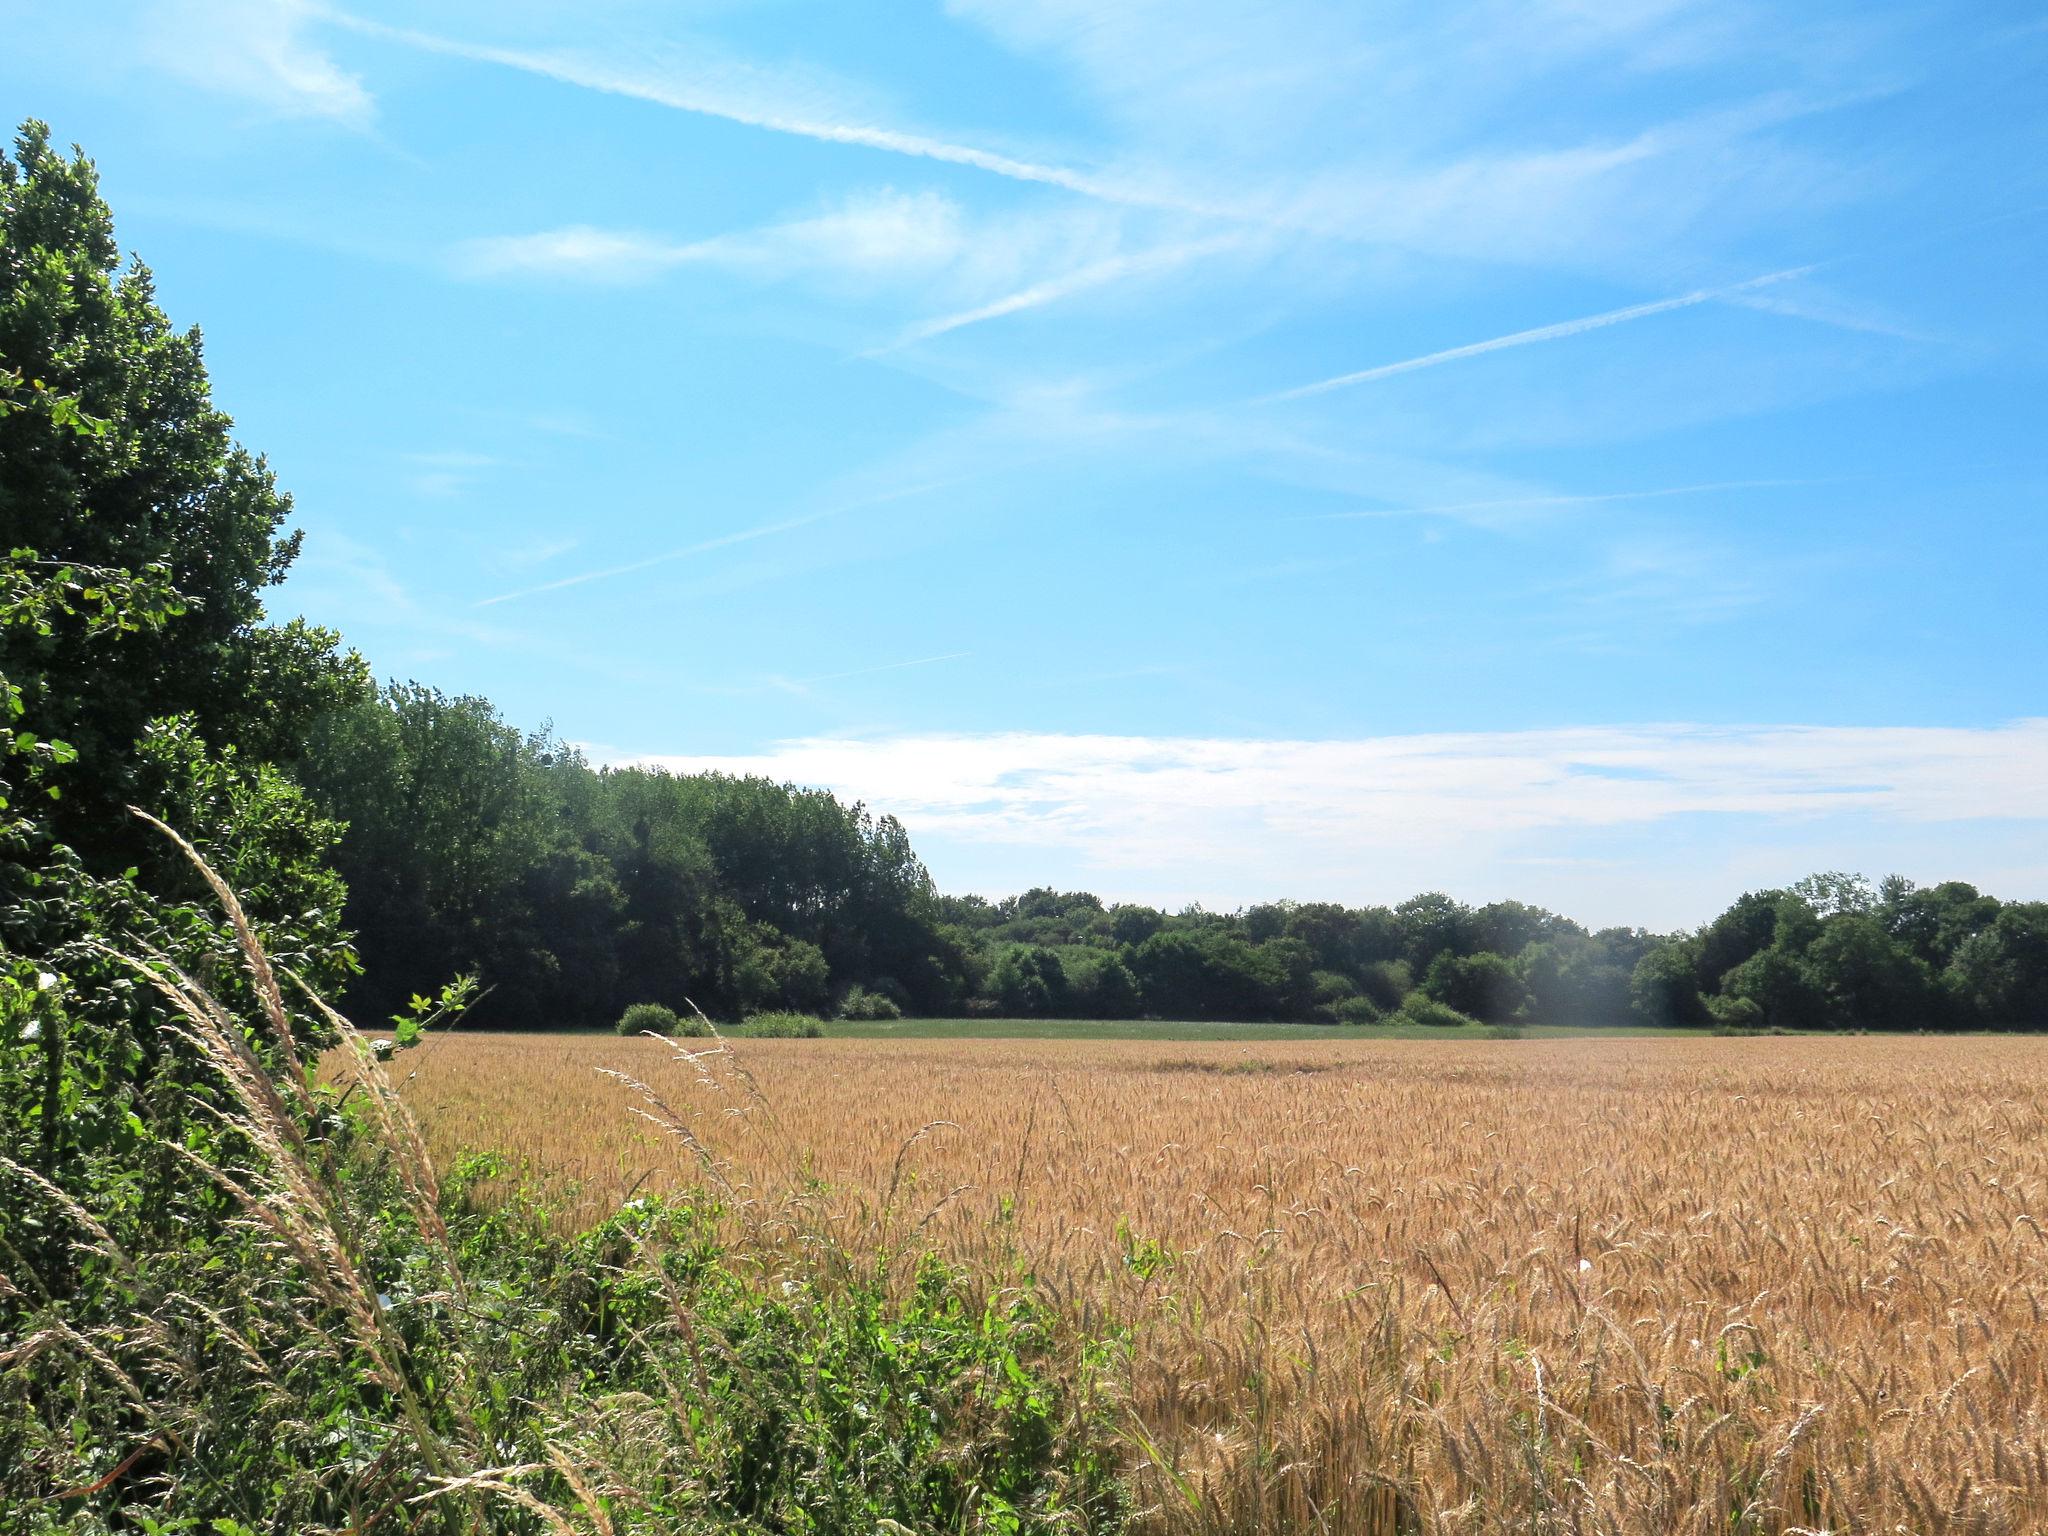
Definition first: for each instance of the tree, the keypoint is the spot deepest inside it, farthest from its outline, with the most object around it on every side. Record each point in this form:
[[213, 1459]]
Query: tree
[[1868, 980], [1782, 988], [1747, 927], [1432, 924], [162, 486], [1484, 985], [1664, 988], [2000, 974], [1028, 982]]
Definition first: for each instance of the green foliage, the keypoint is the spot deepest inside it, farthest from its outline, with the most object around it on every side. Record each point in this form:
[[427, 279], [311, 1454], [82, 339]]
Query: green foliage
[[113, 457], [316, 1340], [1664, 988], [1420, 1008], [1486, 985], [781, 1026], [654, 1019], [1356, 1010], [863, 1005], [1736, 1015], [1028, 982]]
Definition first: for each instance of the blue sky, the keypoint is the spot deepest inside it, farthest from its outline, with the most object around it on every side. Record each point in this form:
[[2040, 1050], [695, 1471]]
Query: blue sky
[[1588, 450]]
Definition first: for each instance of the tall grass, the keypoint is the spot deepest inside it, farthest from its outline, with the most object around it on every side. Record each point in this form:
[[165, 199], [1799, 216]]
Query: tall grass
[[335, 1337], [1630, 1286]]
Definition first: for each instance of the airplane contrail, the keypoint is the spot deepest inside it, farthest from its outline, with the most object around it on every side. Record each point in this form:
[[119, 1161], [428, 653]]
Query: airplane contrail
[[1541, 333]]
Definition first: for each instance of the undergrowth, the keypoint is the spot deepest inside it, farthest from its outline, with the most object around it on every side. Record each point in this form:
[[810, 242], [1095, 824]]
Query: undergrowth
[[268, 1314]]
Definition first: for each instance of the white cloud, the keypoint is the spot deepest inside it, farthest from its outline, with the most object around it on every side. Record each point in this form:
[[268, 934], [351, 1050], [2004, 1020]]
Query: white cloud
[[1179, 818], [575, 251], [876, 237], [256, 50]]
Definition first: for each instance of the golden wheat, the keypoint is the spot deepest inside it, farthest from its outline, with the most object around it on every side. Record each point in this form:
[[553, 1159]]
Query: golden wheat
[[1620, 1286]]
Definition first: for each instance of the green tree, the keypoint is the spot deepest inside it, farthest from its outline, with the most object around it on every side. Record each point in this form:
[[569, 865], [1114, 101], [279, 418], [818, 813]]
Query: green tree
[[1486, 985], [161, 487], [1664, 988], [2000, 974], [1868, 980], [1781, 986]]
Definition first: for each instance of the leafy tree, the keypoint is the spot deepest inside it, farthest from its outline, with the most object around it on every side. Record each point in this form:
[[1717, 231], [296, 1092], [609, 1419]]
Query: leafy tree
[[1029, 982], [1485, 986], [2000, 974], [1433, 924], [1747, 927], [1869, 980], [1664, 988], [1781, 986], [1130, 925], [160, 486]]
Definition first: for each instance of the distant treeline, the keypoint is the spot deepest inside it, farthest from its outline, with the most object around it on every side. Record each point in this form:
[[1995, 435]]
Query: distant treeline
[[574, 892]]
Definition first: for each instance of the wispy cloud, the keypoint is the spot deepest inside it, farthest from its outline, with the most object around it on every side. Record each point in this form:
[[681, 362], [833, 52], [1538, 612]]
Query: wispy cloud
[[744, 97], [1114, 269], [1540, 333], [722, 541], [877, 233], [1538, 503], [258, 51], [446, 472], [887, 666], [1164, 818]]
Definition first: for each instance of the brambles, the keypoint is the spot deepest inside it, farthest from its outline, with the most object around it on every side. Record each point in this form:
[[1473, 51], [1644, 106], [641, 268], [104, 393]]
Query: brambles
[[1636, 1286]]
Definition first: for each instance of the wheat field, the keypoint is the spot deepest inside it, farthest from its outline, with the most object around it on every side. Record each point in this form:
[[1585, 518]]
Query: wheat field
[[1786, 1285]]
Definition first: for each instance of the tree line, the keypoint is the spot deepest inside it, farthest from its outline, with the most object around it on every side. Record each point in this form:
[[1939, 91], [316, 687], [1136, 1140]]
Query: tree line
[[393, 837]]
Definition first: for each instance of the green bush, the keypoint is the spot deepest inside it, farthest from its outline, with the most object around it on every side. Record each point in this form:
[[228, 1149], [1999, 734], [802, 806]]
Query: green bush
[[655, 1019], [1356, 1010], [1421, 1009], [781, 1025], [1735, 1015], [863, 1005]]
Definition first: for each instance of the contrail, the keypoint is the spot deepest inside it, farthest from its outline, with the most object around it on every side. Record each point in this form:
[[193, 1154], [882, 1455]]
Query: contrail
[[595, 76], [1110, 270], [723, 541], [1542, 333], [887, 666], [1567, 500]]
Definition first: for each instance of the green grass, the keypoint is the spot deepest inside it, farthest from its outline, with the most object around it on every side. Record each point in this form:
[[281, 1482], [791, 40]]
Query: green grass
[[1170, 1029]]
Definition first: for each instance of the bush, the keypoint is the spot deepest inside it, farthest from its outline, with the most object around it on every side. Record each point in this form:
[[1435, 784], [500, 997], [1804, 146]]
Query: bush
[[1356, 1010], [1386, 982], [782, 1025], [862, 1005], [1420, 1009], [649, 1019], [1736, 1015]]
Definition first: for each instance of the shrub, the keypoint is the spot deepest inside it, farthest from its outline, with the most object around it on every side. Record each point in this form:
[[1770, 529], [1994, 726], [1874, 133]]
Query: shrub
[[861, 1004], [1735, 1015], [649, 1019], [1356, 1010], [782, 1025], [1420, 1009], [1386, 982]]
